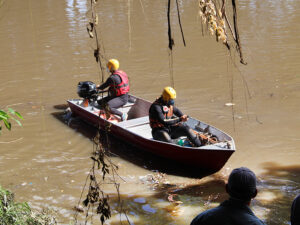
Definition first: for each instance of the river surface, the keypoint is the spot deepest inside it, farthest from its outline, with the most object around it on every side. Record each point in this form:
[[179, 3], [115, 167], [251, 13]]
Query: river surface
[[45, 51]]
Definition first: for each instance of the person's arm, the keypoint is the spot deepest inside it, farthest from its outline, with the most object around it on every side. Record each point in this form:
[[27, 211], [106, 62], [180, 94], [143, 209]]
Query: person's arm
[[178, 113], [113, 79], [161, 118], [105, 84]]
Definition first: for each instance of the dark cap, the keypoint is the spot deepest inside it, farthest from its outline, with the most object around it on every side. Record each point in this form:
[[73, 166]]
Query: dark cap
[[242, 184], [295, 211]]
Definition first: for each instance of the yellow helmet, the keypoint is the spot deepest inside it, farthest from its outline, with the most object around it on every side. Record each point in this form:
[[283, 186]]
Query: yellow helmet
[[168, 94], [113, 64]]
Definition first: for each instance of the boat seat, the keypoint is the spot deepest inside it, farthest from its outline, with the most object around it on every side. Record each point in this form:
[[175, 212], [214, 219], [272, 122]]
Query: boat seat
[[124, 109], [128, 104], [134, 122]]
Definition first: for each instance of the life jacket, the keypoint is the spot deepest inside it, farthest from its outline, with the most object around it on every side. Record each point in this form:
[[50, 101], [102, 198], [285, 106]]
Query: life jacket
[[167, 111], [123, 87]]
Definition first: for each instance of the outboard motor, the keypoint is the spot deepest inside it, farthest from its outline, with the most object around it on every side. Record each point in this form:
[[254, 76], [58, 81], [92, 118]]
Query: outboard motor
[[87, 90]]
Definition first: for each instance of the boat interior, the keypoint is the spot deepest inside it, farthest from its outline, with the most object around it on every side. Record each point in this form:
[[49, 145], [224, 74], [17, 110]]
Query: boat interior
[[137, 110], [138, 120]]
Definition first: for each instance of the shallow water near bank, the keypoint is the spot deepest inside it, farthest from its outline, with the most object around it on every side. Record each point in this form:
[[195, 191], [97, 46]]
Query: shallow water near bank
[[46, 51]]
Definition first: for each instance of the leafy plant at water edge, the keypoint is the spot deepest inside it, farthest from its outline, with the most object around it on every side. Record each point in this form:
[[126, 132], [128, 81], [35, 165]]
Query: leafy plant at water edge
[[20, 213], [6, 117]]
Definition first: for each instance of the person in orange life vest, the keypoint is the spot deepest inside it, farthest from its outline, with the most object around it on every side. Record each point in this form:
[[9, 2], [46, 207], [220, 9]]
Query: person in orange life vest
[[165, 119], [118, 84]]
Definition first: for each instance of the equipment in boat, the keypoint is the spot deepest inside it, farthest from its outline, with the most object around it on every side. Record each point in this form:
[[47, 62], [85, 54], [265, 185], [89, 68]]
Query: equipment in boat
[[87, 90]]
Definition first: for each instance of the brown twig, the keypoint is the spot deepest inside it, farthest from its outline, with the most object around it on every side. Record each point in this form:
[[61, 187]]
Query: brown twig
[[171, 40], [223, 11], [97, 51], [229, 25], [239, 47], [179, 21]]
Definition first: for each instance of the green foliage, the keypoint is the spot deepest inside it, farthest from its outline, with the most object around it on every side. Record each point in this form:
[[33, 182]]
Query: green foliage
[[20, 213], [6, 117]]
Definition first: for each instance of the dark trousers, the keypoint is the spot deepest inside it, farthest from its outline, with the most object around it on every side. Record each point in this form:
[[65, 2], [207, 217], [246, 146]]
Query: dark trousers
[[113, 103], [173, 132]]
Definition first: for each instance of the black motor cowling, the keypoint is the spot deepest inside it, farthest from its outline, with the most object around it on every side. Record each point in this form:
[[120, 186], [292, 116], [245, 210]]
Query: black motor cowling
[[87, 89]]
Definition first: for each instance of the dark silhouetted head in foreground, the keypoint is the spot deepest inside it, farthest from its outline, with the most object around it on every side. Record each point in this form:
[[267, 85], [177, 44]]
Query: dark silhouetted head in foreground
[[241, 188], [242, 184], [295, 211]]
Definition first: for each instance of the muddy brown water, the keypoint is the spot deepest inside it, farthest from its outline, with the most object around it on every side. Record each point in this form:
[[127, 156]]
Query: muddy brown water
[[45, 52]]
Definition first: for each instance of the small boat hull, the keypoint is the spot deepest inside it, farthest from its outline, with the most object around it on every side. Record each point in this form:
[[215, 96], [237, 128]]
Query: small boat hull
[[209, 158]]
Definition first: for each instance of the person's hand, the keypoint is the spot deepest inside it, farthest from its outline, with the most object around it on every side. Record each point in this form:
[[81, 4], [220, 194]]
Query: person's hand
[[184, 118]]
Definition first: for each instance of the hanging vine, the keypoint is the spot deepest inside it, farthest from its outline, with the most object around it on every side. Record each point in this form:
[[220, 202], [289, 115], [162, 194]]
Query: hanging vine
[[179, 21], [171, 40], [215, 18], [92, 31], [96, 199], [171, 44]]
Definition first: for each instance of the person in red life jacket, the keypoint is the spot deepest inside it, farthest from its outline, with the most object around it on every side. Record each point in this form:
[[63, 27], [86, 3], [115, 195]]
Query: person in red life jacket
[[165, 119], [118, 84]]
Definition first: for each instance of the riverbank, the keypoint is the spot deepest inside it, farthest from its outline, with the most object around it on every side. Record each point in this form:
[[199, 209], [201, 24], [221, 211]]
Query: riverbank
[[12, 212]]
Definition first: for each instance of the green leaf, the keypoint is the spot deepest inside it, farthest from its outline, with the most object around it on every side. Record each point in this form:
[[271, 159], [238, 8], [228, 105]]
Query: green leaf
[[7, 124], [2, 113], [11, 110], [15, 113], [3, 117], [19, 115], [17, 121]]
